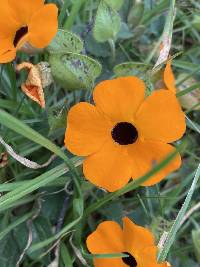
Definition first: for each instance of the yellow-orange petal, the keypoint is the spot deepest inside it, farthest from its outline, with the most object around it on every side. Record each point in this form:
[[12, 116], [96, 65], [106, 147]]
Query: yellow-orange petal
[[106, 239], [22, 11], [160, 117], [136, 238], [146, 155], [87, 130], [109, 168], [120, 98], [169, 78], [47, 17], [7, 51]]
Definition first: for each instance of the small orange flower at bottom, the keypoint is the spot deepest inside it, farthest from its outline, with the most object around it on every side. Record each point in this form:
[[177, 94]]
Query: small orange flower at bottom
[[135, 241]]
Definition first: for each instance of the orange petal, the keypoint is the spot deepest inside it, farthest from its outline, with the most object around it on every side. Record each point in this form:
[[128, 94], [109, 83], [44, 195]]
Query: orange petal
[[106, 239], [160, 117], [169, 78], [109, 167], [22, 11], [114, 262], [35, 93], [119, 98], [47, 17], [8, 25], [86, 129], [136, 238], [148, 258], [7, 51], [146, 155]]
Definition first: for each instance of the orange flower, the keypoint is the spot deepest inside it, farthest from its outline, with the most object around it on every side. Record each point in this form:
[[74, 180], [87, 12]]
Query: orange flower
[[125, 134], [25, 22], [135, 241]]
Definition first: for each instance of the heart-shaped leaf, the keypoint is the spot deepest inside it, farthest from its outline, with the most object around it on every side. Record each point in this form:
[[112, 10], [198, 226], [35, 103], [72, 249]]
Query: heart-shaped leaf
[[129, 68], [107, 23], [115, 4], [74, 71], [65, 42]]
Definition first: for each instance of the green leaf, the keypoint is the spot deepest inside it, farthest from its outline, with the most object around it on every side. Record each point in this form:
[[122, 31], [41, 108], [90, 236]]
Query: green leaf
[[52, 204], [31, 185], [196, 243], [129, 68], [74, 71], [41, 230], [124, 32], [136, 13], [115, 4], [107, 23], [9, 252], [65, 255], [78, 206], [65, 42], [56, 118], [17, 221], [21, 128]]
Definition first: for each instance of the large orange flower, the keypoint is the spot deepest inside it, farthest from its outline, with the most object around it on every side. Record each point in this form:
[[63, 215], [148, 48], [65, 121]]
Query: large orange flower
[[135, 241], [25, 22], [125, 134]]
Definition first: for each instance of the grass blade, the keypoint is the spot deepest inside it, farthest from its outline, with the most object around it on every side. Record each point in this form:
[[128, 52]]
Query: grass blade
[[177, 223]]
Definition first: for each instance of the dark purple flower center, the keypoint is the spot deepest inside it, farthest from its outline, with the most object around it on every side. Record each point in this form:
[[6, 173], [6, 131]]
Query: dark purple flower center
[[130, 260], [19, 34], [124, 133]]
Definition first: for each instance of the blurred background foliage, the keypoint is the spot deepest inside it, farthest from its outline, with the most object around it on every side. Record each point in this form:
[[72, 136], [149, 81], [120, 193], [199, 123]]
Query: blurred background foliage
[[42, 219]]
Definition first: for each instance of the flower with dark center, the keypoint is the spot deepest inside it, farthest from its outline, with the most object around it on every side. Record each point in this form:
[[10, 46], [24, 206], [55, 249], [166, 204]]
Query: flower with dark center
[[25, 23], [137, 242], [125, 134]]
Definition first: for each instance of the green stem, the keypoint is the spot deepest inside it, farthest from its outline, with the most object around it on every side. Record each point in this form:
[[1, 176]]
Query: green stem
[[73, 14], [112, 48], [62, 13]]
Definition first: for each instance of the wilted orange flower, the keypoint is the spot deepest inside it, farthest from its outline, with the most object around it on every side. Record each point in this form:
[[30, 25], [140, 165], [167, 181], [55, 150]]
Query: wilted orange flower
[[25, 22], [33, 85], [125, 134], [135, 241], [39, 76]]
